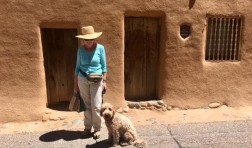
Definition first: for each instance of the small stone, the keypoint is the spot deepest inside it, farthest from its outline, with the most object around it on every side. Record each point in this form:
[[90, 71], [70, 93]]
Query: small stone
[[6, 125], [176, 108], [151, 119], [151, 108], [214, 105], [187, 107], [62, 117], [137, 105], [205, 107], [143, 104], [157, 106], [160, 102], [45, 117], [164, 109], [54, 118], [169, 107], [152, 103], [224, 106], [47, 112], [131, 105], [126, 109]]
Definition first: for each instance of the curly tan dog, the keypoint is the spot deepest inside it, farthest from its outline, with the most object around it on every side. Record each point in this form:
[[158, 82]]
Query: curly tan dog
[[120, 128]]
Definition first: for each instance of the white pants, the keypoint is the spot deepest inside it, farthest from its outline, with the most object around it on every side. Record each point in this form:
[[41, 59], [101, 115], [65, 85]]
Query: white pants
[[91, 93]]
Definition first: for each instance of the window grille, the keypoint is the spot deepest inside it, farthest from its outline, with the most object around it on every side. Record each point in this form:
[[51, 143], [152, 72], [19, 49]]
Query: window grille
[[223, 38]]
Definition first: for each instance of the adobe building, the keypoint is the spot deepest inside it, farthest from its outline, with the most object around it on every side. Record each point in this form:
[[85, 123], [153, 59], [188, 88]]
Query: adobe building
[[188, 53]]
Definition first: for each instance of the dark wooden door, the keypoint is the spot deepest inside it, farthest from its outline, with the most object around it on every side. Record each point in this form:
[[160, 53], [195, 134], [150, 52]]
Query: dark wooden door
[[59, 50], [141, 58]]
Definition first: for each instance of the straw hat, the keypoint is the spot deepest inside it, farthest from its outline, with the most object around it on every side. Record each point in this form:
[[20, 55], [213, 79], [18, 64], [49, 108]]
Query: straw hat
[[88, 33]]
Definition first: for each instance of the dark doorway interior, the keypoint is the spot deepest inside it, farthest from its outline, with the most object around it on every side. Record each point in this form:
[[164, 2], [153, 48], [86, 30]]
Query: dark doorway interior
[[59, 50], [142, 37]]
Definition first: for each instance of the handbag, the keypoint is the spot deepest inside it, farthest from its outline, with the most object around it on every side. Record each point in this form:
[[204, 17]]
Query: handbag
[[76, 103], [93, 77]]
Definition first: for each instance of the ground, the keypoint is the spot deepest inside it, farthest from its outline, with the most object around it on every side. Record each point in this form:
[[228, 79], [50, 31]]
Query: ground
[[67, 120]]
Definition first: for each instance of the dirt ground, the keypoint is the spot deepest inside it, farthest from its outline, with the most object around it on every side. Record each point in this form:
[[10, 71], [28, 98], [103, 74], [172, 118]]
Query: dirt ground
[[57, 120]]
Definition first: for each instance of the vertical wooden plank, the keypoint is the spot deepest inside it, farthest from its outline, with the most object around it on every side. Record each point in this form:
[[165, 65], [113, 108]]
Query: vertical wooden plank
[[152, 48], [60, 48], [134, 58], [141, 56]]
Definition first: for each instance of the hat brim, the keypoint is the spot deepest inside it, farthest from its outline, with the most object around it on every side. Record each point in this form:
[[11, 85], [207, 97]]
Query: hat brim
[[90, 36]]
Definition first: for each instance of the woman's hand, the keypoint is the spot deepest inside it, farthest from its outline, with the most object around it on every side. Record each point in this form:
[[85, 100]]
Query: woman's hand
[[76, 89], [104, 87]]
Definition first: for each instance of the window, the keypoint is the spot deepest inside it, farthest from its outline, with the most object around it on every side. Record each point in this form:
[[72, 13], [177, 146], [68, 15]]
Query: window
[[223, 38]]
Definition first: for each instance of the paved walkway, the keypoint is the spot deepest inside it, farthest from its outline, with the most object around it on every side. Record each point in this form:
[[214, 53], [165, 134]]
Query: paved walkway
[[191, 135], [222, 127]]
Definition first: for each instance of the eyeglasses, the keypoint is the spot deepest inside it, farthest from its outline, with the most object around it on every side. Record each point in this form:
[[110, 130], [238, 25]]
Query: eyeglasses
[[88, 39]]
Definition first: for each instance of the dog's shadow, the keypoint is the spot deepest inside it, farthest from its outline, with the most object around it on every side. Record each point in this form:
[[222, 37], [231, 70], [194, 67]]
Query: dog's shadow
[[99, 144], [62, 134]]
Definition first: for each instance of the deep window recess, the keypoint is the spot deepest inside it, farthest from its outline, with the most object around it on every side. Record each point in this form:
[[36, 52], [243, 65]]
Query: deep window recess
[[223, 38]]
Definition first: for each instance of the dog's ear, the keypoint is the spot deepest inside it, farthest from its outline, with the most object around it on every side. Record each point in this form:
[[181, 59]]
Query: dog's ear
[[101, 111], [113, 110]]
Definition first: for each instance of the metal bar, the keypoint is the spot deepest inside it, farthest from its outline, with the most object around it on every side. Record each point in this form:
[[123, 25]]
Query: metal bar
[[223, 38], [210, 40], [214, 49], [236, 32], [231, 43], [227, 38], [219, 39]]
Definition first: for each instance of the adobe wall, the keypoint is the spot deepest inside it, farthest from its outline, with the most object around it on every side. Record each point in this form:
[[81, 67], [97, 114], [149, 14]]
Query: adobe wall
[[186, 79]]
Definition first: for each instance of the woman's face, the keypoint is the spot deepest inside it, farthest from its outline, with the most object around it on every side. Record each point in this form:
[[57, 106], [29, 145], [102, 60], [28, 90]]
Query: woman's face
[[88, 43]]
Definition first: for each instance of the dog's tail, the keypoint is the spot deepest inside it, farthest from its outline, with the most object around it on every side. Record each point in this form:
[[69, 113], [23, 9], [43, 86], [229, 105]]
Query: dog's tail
[[140, 143]]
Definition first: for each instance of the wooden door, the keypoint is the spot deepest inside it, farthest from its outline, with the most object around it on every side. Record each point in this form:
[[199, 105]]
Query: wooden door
[[141, 58], [59, 49]]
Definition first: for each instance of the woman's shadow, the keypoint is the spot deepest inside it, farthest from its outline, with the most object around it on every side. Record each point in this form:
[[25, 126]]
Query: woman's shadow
[[62, 134], [72, 135]]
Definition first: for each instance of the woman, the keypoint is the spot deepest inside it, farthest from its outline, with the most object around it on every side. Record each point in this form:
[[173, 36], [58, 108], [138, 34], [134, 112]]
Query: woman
[[91, 59]]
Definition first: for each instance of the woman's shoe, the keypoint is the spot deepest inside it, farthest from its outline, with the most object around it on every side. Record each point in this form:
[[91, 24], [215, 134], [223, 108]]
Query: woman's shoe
[[97, 134], [86, 132]]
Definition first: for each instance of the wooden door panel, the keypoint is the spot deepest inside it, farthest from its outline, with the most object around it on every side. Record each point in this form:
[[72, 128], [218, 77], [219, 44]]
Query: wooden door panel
[[60, 49], [141, 57]]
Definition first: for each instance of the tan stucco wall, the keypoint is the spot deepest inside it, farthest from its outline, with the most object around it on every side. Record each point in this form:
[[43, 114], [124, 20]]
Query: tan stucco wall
[[186, 80]]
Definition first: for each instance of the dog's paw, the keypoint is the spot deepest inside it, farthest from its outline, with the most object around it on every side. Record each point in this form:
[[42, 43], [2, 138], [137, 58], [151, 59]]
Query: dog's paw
[[109, 141], [124, 143], [114, 145], [140, 143]]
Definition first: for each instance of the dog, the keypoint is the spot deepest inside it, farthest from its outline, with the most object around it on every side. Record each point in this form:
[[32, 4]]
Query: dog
[[120, 128]]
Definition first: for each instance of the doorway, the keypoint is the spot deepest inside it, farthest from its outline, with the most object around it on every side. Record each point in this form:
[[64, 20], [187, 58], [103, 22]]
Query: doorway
[[59, 50], [141, 55]]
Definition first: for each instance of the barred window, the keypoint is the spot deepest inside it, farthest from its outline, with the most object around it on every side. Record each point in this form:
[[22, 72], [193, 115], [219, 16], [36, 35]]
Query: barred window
[[223, 38]]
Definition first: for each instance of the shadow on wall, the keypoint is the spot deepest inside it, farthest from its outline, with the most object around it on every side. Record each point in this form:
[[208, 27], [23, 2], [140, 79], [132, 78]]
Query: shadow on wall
[[62, 106]]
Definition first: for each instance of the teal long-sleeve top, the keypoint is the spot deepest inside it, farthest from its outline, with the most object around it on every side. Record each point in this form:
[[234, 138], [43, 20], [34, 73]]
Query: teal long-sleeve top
[[91, 61]]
